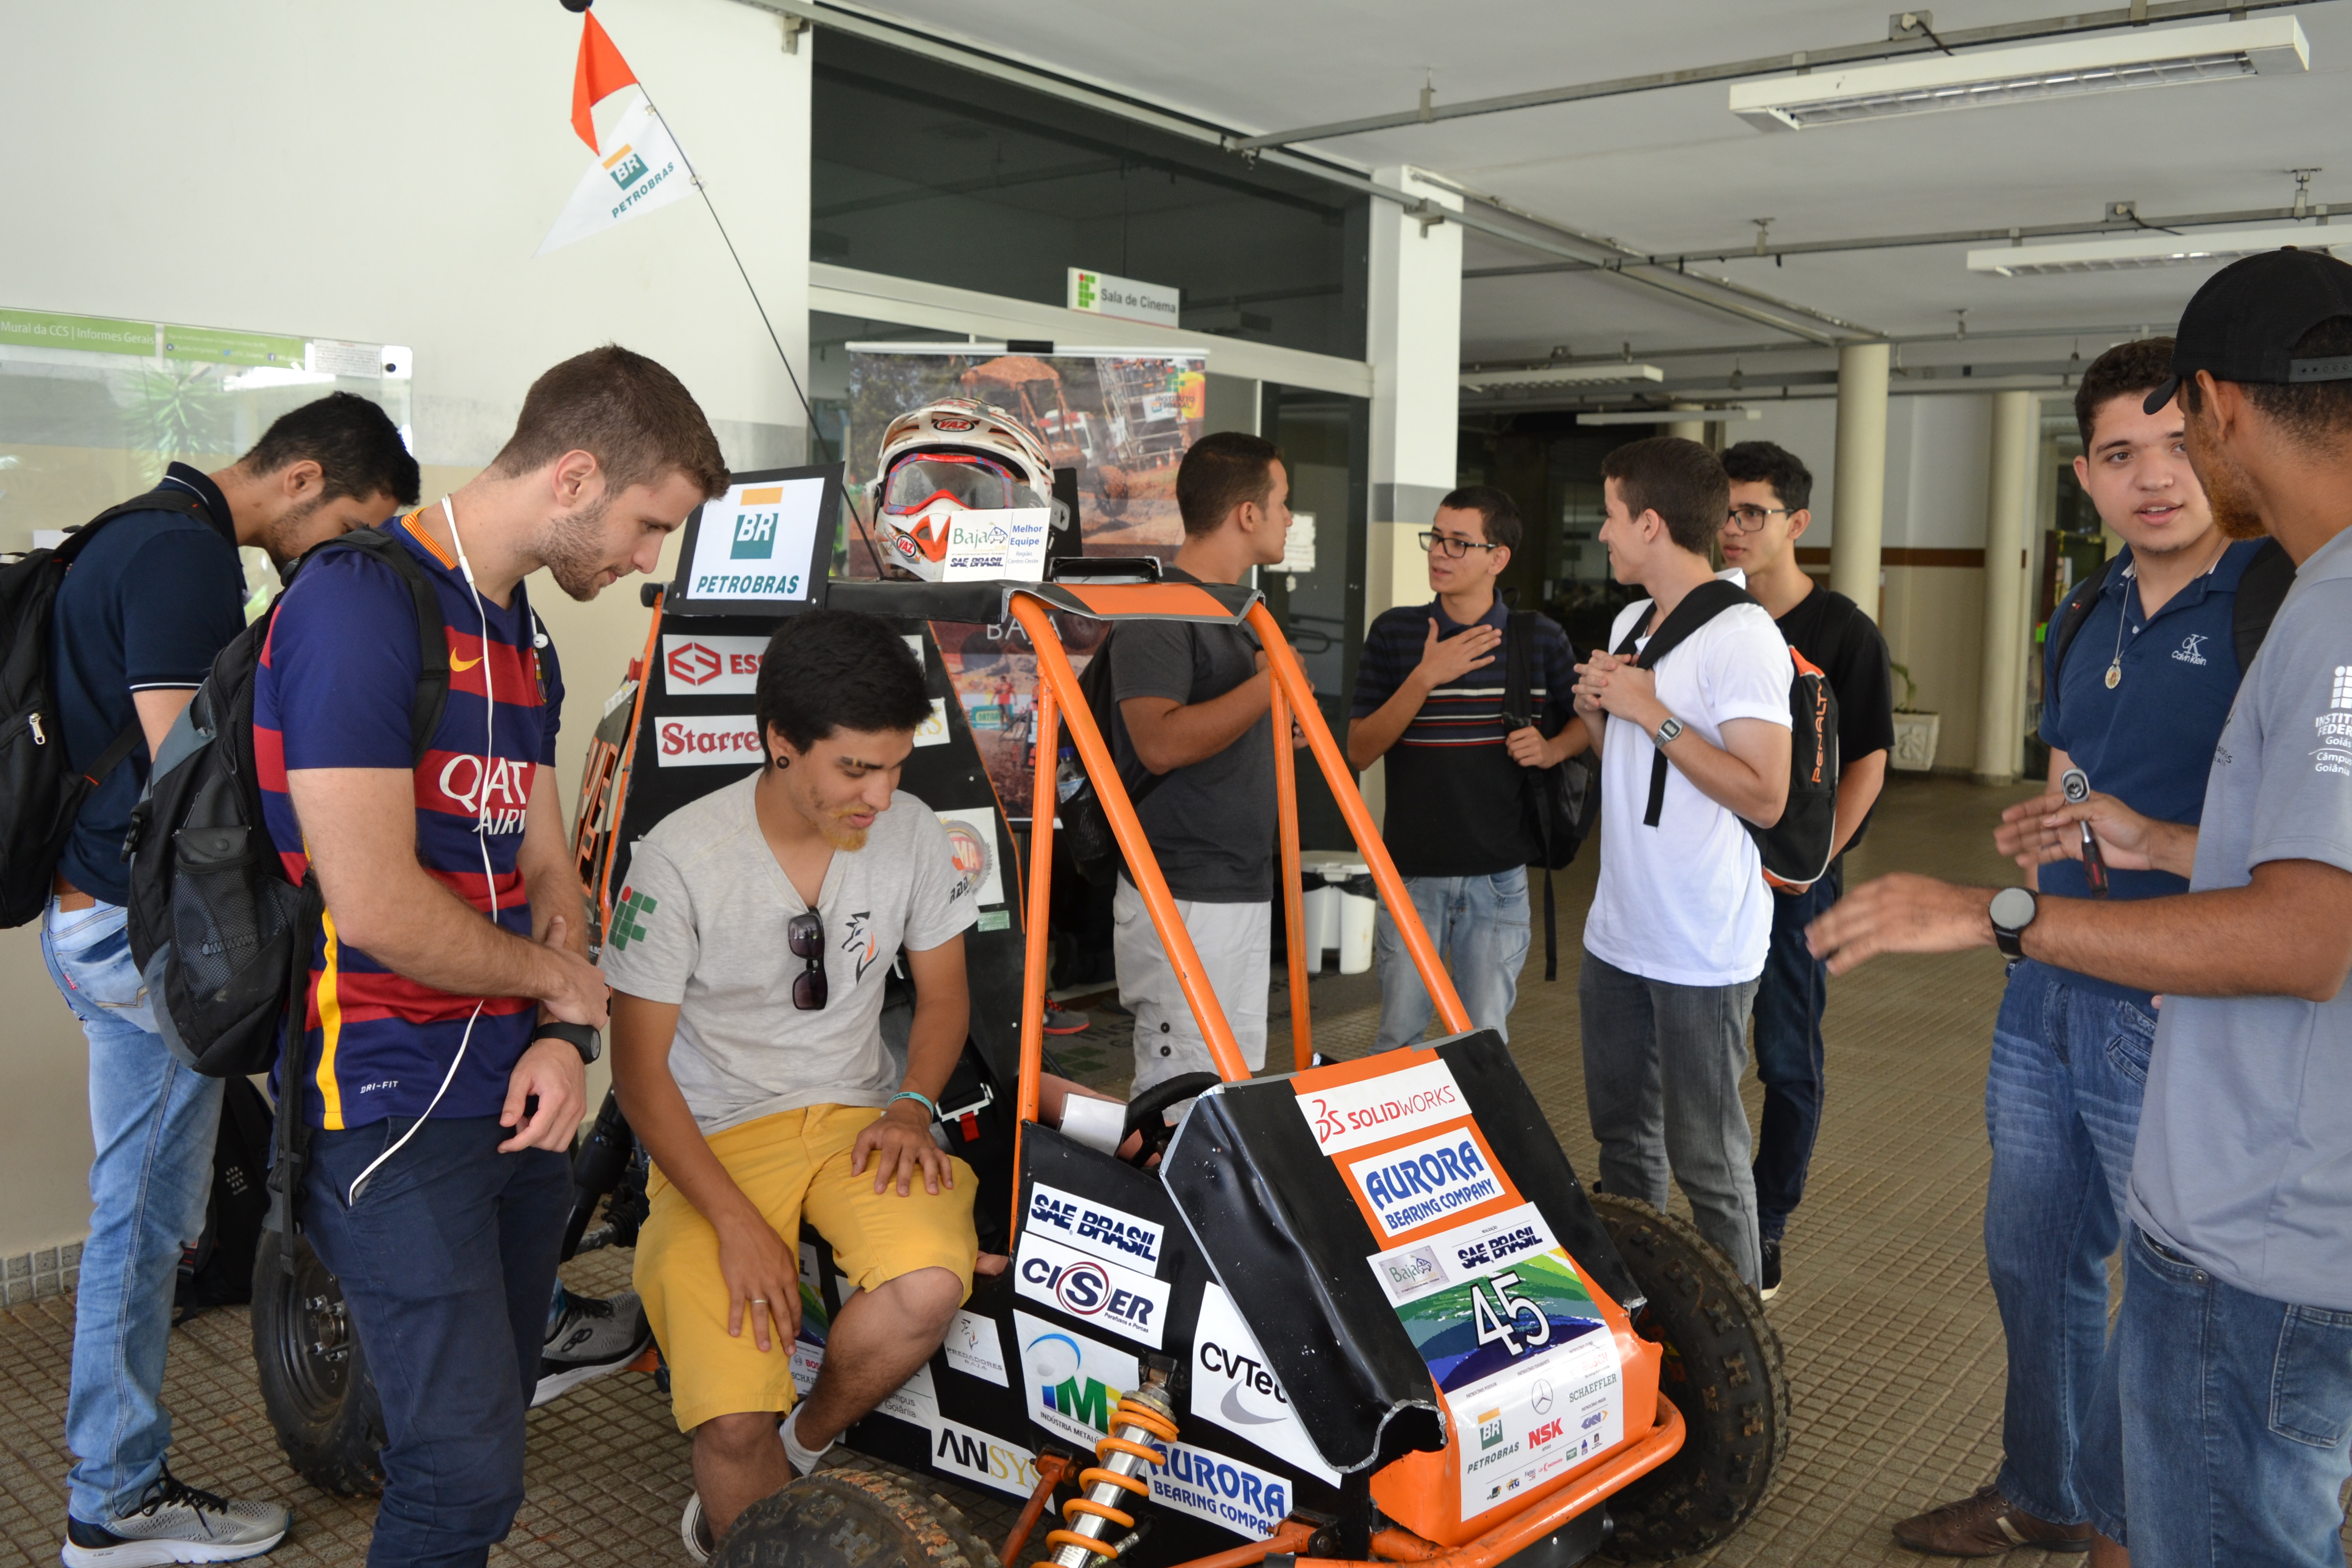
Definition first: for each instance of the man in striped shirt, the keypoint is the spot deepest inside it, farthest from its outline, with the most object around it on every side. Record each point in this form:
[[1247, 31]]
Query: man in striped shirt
[[1429, 697]]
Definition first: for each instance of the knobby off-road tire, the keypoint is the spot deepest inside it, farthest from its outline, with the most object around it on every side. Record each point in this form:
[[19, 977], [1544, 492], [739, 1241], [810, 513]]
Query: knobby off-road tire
[[852, 1518], [314, 1378], [1723, 1372]]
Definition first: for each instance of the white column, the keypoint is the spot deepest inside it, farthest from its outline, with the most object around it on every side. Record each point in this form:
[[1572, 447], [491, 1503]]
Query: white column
[[2008, 500], [1687, 429], [1413, 337], [1859, 524]]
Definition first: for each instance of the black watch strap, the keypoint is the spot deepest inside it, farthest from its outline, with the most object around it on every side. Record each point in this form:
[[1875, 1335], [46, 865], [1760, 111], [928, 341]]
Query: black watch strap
[[581, 1037]]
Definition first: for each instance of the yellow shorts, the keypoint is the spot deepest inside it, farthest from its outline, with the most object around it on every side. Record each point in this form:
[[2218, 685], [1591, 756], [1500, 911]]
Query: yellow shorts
[[793, 1165]]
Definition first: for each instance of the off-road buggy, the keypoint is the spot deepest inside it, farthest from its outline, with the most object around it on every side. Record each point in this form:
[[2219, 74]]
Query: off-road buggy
[[1362, 1310]]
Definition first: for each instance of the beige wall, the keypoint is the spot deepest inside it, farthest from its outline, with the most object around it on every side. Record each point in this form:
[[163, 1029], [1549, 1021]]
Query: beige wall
[[1934, 622]]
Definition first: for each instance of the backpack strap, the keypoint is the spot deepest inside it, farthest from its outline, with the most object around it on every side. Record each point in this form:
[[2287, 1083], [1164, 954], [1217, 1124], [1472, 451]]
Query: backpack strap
[[2079, 605], [118, 748], [432, 637], [162, 498], [1518, 713], [1699, 606], [2261, 590]]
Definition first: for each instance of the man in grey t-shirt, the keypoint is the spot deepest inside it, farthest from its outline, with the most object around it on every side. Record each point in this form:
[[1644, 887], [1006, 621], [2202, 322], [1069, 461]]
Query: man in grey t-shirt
[[2233, 1353], [1193, 707]]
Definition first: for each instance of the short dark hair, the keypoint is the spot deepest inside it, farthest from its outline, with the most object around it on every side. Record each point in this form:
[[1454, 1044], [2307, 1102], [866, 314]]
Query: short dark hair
[[355, 444], [1224, 469], [1767, 463], [636, 418], [1678, 480], [2130, 370], [2315, 414], [1496, 510], [837, 669]]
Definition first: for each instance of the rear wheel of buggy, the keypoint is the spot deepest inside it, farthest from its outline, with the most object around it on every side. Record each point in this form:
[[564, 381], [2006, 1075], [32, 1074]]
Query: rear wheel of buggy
[[314, 1378], [1723, 1372], [852, 1518]]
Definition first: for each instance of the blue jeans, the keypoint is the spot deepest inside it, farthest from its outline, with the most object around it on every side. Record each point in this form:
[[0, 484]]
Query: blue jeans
[[447, 1262], [2062, 1105], [1479, 926], [153, 1121], [1789, 999], [2237, 1420]]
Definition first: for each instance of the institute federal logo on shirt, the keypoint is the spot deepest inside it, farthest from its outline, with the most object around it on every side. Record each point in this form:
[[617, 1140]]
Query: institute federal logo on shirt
[[627, 925], [2335, 750]]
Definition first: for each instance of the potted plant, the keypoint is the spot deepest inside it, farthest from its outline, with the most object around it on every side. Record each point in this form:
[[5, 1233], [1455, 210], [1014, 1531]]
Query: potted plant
[[1915, 733]]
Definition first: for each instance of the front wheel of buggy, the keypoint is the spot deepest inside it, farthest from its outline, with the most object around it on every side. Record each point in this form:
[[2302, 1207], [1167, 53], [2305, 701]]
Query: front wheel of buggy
[[314, 1379], [1722, 1370], [852, 1518]]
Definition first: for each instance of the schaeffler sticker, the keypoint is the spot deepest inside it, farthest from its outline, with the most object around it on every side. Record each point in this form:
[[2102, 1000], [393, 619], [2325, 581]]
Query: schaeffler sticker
[[1109, 1234], [1422, 1183], [977, 1456], [1519, 1428], [1132, 1305], [1241, 1498], [975, 1348], [1234, 1387], [1349, 1115], [1075, 1383]]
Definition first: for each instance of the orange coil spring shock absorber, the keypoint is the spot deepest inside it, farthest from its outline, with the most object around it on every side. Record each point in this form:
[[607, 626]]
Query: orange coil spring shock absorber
[[1123, 1457]]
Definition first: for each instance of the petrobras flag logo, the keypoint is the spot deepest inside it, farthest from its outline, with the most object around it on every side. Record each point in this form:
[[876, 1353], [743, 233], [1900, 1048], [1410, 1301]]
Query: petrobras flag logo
[[1349, 1115], [1073, 1381], [644, 170], [1127, 1303], [992, 1462], [694, 740], [711, 666], [1234, 1387], [1112, 1235], [1409, 1187], [755, 525], [1248, 1500]]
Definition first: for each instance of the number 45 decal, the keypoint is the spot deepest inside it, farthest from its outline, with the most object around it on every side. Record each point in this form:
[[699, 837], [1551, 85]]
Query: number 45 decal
[[1497, 1317]]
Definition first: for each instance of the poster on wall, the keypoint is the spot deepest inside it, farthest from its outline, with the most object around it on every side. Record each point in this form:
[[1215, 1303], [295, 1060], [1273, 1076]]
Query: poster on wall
[[1122, 418]]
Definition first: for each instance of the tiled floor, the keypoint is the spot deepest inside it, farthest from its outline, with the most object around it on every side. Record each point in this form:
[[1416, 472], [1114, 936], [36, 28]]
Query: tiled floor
[[1893, 1348]]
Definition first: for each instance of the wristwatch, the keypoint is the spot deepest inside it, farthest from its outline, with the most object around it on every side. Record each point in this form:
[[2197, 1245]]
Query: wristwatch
[[581, 1037], [1667, 731], [2013, 910]]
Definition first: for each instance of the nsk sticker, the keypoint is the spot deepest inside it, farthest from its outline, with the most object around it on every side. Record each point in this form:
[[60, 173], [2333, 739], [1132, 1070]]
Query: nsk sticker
[[1529, 1424], [1234, 1387], [1108, 1233], [1105, 1294], [1412, 1186], [991, 1461], [1241, 1498], [703, 741], [1349, 1115], [1073, 1381], [711, 666], [975, 1349]]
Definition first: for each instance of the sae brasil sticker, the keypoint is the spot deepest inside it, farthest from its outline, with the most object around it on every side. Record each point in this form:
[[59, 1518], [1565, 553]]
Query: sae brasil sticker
[[1109, 1234]]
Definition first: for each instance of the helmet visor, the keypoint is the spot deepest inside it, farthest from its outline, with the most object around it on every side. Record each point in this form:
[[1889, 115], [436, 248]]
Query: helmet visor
[[971, 482]]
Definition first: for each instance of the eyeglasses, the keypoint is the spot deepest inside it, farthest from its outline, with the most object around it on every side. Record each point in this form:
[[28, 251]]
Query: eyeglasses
[[1435, 544], [805, 932], [1749, 518]]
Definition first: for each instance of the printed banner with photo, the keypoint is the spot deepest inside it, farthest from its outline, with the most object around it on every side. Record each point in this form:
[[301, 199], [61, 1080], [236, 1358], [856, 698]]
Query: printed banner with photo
[[1122, 418]]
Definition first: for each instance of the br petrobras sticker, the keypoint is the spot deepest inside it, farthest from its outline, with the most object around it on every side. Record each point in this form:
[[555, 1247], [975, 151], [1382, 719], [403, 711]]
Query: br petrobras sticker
[[1526, 1424], [1241, 1498], [1422, 1183], [1109, 1234], [1349, 1115], [1105, 1294], [1234, 1387], [698, 740], [989, 1461], [1074, 1381]]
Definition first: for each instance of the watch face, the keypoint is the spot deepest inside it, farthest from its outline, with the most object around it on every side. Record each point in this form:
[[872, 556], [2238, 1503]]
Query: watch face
[[2012, 908]]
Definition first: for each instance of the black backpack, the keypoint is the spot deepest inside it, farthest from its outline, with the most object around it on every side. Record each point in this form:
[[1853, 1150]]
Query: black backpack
[[217, 1272], [221, 938], [2261, 590], [40, 793], [1796, 848], [1086, 826], [1562, 801]]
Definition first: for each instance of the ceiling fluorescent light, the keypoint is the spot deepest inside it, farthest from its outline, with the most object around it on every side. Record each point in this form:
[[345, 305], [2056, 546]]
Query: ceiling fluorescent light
[[1603, 374], [2215, 51], [1670, 416], [2139, 250]]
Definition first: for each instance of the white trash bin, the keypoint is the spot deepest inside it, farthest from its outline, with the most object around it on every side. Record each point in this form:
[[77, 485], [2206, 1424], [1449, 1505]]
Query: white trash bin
[[1339, 906]]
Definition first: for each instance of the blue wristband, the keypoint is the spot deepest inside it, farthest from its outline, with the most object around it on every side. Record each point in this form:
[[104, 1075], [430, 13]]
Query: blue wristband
[[928, 1103]]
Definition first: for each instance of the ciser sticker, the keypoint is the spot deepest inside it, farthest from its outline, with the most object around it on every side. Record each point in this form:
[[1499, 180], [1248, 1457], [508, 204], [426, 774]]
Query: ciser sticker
[[1108, 1234], [1106, 1295], [1351, 1115]]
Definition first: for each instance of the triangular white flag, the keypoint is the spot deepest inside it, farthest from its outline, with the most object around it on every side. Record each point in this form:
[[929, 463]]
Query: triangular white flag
[[642, 170]]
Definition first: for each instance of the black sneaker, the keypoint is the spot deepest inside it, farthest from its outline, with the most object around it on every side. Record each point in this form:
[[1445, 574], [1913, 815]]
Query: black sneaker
[[592, 1338], [1771, 1267], [175, 1522]]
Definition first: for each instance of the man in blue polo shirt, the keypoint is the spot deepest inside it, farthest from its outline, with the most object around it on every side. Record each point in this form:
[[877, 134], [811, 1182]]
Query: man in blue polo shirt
[[1429, 697], [150, 601], [2136, 698]]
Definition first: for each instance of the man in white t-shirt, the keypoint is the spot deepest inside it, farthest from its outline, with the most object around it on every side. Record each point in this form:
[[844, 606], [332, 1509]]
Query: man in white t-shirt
[[1676, 941], [747, 954]]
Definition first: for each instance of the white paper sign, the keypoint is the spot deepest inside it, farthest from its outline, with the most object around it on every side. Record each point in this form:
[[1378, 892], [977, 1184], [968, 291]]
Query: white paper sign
[[638, 169], [1299, 544], [982, 546], [1526, 1424], [915, 1400], [1111, 1233], [1125, 298], [756, 542], [971, 839], [1131, 1305], [1241, 1498], [933, 730], [975, 1349], [1410, 1187]]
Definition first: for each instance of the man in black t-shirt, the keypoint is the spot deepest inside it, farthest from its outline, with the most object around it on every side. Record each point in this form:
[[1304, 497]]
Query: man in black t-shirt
[[1770, 492], [1429, 697]]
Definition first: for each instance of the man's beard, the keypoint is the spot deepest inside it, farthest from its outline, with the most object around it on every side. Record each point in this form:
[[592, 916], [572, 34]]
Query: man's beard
[[2233, 512], [837, 832], [279, 543], [568, 548]]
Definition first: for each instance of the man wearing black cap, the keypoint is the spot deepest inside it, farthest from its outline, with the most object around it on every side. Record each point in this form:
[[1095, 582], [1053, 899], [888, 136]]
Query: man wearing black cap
[[2233, 1353]]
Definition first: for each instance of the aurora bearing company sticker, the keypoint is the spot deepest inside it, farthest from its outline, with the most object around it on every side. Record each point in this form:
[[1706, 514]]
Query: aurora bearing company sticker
[[1109, 1234], [1351, 1115], [1422, 1183], [1105, 1294], [1241, 1498]]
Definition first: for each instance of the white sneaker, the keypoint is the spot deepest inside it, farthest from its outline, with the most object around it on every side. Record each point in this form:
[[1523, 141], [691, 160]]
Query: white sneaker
[[175, 1522], [593, 1337], [693, 1530]]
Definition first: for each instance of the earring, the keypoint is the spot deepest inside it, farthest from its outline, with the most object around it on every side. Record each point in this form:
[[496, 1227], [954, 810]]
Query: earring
[[783, 761]]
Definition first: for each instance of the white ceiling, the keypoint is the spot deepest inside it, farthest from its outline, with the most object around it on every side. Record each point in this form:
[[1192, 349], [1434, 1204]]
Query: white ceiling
[[1674, 170]]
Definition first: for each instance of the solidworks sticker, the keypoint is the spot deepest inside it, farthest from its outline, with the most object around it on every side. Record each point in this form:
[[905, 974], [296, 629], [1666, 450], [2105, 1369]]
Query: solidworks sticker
[[1234, 1387], [685, 742], [1349, 1115], [1105, 1294]]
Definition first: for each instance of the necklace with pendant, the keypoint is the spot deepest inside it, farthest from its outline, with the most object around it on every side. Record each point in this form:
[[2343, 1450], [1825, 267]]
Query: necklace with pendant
[[2116, 665]]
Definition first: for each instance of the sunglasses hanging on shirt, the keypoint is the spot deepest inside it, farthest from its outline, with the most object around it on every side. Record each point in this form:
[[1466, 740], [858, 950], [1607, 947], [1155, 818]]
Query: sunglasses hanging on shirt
[[805, 933]]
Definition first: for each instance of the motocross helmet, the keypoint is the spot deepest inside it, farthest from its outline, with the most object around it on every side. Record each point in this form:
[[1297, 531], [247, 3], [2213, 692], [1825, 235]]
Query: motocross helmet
[[953, 455]]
